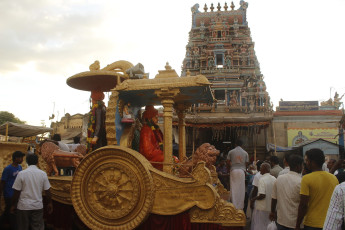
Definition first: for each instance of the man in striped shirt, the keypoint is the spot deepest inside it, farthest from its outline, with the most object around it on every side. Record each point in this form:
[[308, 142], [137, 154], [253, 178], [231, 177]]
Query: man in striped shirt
[[335, 214]]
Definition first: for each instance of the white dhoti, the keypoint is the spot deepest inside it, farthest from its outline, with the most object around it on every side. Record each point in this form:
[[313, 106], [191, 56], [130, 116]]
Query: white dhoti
[[260, 220], [237, 187]]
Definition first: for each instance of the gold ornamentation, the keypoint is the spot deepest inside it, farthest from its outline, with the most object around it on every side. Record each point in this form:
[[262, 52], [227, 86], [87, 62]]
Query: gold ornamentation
[[61, 189], [223, 212], [175, 195], [159, 83], [201, 173], [110, 118], [119, 66], [95, 66], [113, 189]]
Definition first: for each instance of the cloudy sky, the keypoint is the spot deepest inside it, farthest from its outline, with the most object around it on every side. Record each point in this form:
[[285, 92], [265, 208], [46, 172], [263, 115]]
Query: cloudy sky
[[300, 46]]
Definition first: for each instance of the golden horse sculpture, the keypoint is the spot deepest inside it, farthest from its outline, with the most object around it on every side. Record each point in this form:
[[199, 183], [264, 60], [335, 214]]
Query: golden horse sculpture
[[54, 157]]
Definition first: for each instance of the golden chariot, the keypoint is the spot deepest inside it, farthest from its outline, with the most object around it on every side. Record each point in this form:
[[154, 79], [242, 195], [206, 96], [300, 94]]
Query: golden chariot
[[115, 187]]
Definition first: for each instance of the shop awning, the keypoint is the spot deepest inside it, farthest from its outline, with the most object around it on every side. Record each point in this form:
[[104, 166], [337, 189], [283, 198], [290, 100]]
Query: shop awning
[[272, 147], [22, 130]]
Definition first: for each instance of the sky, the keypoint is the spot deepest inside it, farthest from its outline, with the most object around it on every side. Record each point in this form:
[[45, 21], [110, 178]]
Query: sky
[[300, 46]]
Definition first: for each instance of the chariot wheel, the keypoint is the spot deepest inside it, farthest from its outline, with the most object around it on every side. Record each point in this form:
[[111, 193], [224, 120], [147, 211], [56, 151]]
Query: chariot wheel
[[112, 188]]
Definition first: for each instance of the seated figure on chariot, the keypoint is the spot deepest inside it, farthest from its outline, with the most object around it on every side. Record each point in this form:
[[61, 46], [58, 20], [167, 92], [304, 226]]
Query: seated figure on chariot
[[96, 135], [151, 137]]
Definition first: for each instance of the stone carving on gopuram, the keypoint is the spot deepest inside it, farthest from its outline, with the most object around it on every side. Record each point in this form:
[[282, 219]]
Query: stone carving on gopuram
[[220, 47]]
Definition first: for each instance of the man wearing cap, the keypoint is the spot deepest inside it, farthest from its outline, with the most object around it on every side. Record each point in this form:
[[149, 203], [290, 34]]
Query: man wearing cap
[[96, 135], [151, 137], [7, 179]]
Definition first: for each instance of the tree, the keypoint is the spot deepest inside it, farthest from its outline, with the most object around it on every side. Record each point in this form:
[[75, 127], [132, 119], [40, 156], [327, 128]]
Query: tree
[[6, 116]]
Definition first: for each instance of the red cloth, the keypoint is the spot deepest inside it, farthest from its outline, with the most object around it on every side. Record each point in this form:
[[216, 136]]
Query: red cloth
[[149, 145], [64, 217], [180, 221]]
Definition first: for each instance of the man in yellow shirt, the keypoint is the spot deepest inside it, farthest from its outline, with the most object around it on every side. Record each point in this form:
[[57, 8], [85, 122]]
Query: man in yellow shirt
[[316, 192]]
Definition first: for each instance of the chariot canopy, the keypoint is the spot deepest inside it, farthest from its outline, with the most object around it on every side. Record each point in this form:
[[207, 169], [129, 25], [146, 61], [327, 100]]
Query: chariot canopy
[[100, 79], [183, 90], [174, 93]]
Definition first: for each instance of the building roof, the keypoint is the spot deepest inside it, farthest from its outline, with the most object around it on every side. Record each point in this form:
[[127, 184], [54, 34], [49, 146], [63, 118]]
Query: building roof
[[313, 141], [309, 113]]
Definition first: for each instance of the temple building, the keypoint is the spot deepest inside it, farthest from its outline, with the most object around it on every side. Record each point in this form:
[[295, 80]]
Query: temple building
[[297, 123], [70, 126], [220, 47]]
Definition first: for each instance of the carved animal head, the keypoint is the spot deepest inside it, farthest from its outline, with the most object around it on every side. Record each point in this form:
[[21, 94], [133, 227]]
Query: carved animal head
[[206, 152]]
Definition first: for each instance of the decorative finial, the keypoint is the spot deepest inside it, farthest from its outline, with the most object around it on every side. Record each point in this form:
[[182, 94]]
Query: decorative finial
[[188, 73], [232, 6], [212, 8], [226, 6], [94, 66], [167, 66], [219, 7], [205, 8]]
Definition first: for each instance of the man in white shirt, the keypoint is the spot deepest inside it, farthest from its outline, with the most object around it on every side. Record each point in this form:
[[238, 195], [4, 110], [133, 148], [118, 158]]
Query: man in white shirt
[[335, 213], [285, 195], [76, 143], [261, 219], [274, 160], [238, 160], [286, 164], [254, 191], [27, 197], [256, 179]]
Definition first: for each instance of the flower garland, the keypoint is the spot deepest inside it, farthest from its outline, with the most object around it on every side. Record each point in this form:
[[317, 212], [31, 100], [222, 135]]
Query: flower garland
[[92, 125], [157, 132]]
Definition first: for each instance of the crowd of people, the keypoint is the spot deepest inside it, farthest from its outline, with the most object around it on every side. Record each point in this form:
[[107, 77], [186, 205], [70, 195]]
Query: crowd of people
[[307, 193]]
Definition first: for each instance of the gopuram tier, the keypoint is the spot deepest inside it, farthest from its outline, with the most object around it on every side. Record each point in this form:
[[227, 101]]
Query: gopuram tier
[[220, 47]]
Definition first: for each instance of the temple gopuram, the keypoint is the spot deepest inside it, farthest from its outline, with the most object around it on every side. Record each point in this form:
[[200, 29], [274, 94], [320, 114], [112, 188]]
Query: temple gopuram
[[220, 47]]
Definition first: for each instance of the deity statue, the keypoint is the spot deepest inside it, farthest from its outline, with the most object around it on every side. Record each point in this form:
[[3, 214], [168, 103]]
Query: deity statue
[[188, 64], [299, 139], [251, 105], [233, 99], [96, 134], [210, 62], [151, 137], [337, 99], [335, 102], [228, 61], [127, 116], [196, 64]]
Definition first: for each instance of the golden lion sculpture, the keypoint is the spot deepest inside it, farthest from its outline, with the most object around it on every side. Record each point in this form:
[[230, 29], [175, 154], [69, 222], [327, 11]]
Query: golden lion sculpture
[[206, 152], [54, 157]]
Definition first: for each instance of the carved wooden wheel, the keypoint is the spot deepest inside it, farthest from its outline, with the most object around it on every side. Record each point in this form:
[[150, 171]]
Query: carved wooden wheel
[[113, 189]]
